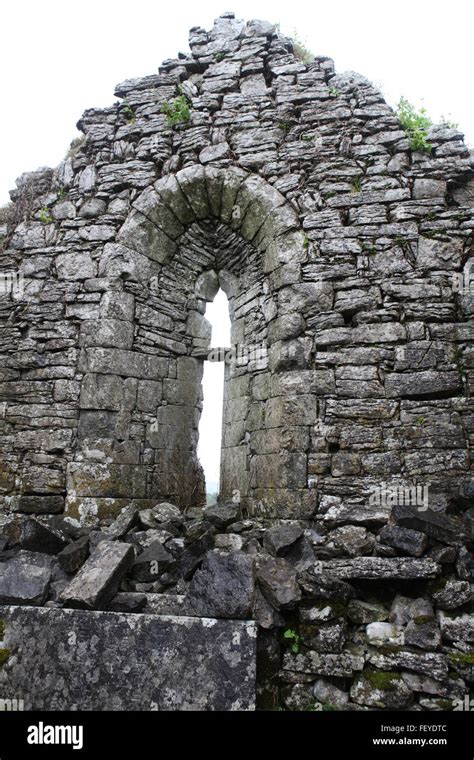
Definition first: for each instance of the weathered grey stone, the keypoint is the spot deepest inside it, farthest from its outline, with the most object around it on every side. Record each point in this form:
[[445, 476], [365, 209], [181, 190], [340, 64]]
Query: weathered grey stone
[[319, 585], [25, 578], [229, 542], [151, 563], [375, 567], [422, 633], [349, 540], [381, 634], [222, 515], [405, 609], [73, 556], [162, 663], [441, 527], [128, 601], [452, 594], [126, 520], [456, 628], [408, 541], [365, 612], [386, 691], [37, 537], [99, 578], [277, 580], [39, 505], [224, 587], [279, 539], [265, 615], [326, 692], [336, 665], [429, 664], [325, 636]]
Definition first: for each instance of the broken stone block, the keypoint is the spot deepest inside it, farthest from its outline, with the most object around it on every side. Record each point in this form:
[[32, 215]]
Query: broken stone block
[[128, 601], [456, 628], [322, 612], [151, 563], [222, 515], [404, 609], [36, 537], [73, 556], [187, 562], [349, 540], [326, 692], [423, 633], [25, 578], [384, 690], [265, 615], [279, 539], [224, 587], [325, 637], [99, 578], [167, 513], [452, 594], [406, 540], [362, 613], [122, 662], [447, 530], [317, 585], [278, 581], [126, 520], [465, 565], [228, 542]]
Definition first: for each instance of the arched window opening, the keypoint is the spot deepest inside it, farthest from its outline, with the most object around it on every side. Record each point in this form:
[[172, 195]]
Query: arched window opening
[[210, 426]]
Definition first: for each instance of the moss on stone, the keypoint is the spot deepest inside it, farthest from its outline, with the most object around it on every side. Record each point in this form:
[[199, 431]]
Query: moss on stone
[[390, 649], [3, 627], [463, 658], [383, 680], [4, 656], [445, 704], [422, 619]]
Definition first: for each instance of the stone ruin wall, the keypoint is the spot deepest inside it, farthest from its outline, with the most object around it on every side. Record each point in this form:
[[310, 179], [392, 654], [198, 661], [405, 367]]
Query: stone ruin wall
[[295, 190]]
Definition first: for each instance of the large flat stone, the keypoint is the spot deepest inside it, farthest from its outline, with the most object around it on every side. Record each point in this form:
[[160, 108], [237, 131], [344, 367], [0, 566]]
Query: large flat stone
[[80, 660]]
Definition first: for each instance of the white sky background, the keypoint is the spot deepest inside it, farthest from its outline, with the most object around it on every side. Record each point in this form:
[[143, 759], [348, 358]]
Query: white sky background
[[210, 427], [58, 58]]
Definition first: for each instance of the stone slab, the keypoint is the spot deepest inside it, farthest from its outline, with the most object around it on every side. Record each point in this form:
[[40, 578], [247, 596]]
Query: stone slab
[[64, 659]]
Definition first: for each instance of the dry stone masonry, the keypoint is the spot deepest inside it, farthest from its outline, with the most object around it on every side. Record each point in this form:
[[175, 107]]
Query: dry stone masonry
[[344, 532]]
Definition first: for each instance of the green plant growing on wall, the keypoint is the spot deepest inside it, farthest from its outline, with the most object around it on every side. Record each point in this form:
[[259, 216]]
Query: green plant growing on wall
[[6, 213], [300, 49], [293, 636], [356, 185], [45, 215], [129, 113], [416, 124], [177, 110], [447, 122], [334, 92], [76, 146], [219, 57]]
